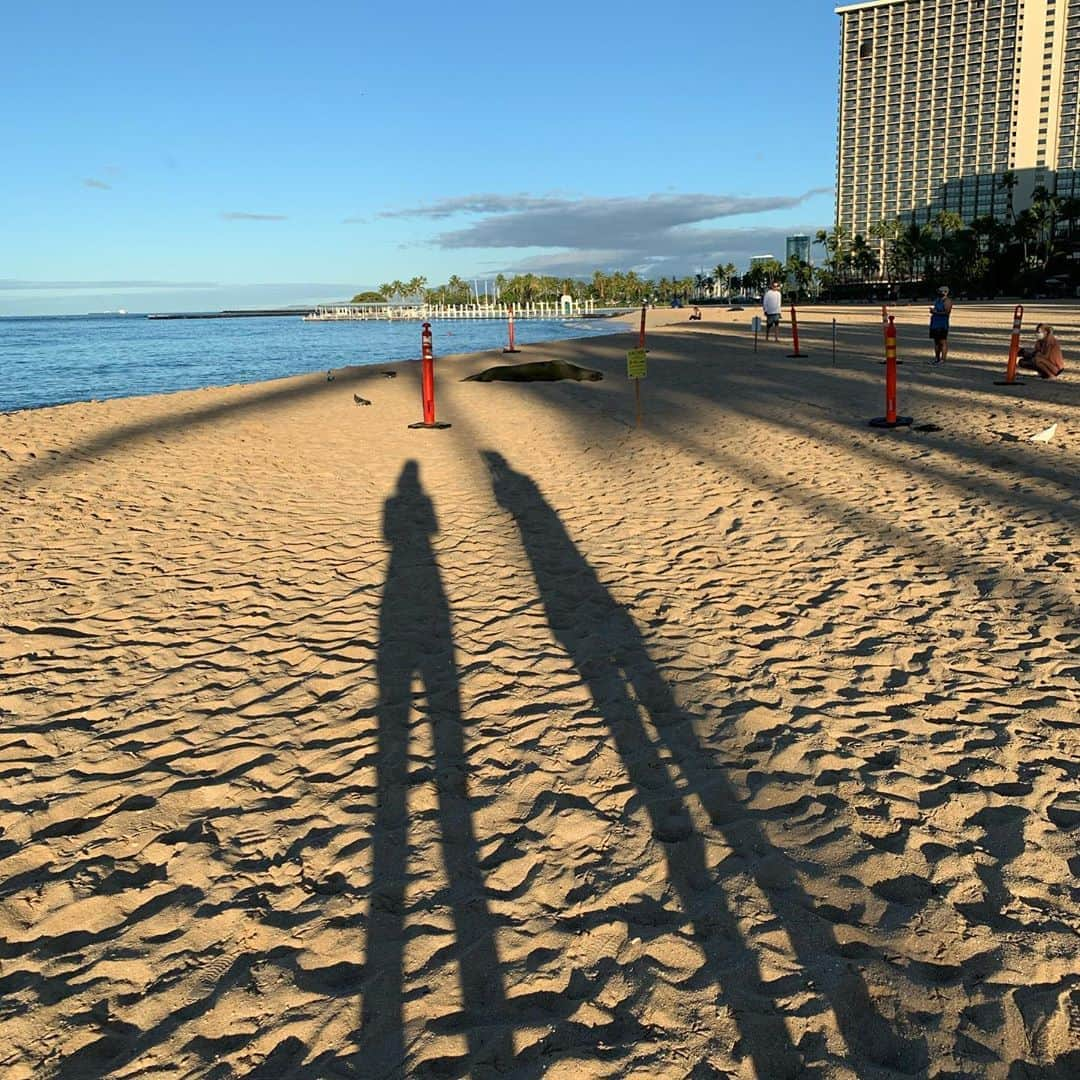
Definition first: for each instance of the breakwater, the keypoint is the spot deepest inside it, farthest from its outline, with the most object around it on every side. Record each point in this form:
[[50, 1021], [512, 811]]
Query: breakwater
[[267, 313]]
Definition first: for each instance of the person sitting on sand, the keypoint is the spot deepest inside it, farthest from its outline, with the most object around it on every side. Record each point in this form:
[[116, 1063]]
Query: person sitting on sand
[[695, 315], [1045, 357]]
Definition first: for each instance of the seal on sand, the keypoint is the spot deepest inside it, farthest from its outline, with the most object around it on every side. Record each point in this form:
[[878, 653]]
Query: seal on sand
[[537, 371]]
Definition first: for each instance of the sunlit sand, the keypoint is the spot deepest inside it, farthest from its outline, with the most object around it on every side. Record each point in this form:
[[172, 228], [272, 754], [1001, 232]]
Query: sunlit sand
[[741, 743]]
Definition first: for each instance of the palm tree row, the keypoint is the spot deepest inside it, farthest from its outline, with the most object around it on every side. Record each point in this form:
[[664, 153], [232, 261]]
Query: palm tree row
[[616, 288], [987, 255]]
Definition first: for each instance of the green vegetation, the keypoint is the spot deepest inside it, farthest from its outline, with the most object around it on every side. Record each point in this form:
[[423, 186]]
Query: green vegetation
[[617, 289], [1032, 252]]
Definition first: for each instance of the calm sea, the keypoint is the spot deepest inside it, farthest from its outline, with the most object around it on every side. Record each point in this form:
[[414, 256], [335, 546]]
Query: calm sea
[[50, 361]]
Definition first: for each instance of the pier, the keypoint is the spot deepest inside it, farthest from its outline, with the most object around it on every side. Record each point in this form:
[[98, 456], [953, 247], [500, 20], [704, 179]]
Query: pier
[[565, 308]]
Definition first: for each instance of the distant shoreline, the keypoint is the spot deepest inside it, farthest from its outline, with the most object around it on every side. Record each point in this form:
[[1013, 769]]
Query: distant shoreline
[[263, 313]]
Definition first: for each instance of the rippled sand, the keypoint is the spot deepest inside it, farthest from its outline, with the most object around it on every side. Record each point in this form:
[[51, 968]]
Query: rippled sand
[[741, 744]]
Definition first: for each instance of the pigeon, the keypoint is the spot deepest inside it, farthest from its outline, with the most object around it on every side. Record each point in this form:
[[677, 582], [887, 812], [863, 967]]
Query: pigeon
[[390, 374], [360, 400], [1044, 436]]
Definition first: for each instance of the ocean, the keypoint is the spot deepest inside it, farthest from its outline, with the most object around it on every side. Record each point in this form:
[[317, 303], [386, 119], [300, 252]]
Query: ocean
[[58, 359]]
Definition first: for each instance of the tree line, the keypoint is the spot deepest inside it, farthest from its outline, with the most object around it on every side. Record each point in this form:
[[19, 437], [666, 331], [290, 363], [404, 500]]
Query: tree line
[[1032, 251], [618, 289]]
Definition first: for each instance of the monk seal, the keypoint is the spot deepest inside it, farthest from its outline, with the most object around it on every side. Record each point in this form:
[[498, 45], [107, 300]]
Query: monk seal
[[537, 371]]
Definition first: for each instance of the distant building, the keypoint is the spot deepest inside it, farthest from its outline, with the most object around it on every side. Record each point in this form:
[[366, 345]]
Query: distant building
[[940, 98], [758, 260], [799, 247]]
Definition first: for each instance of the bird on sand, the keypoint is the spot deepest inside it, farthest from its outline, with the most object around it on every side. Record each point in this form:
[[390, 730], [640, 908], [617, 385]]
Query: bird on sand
[[360, 400], [330, 376]]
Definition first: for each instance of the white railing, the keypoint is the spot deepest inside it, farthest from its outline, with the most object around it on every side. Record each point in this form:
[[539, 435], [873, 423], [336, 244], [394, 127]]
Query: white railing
[[536, 309]]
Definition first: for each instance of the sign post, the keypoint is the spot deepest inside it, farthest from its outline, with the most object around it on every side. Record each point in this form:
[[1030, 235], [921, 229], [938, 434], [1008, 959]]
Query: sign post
[[635, 369], [635, 366], [755, 323]]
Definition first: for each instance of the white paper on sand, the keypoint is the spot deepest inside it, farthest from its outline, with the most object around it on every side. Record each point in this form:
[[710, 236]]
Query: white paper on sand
[[1044, 436]]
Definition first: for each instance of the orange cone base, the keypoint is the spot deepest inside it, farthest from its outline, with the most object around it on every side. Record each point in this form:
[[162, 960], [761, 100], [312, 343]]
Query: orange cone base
[[1005, 382], [882, 421], [797, 355], [511, 350], [421, 424]]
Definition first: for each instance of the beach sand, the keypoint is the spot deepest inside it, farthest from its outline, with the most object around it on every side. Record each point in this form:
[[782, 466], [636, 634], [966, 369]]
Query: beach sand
[[744, 743]]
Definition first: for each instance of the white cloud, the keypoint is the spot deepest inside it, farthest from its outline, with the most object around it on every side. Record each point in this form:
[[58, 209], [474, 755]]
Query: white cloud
[[243, 215], [646, 233]]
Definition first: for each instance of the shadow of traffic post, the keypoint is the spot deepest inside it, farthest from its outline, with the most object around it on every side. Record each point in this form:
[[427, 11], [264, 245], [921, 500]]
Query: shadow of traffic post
[[415, 640]]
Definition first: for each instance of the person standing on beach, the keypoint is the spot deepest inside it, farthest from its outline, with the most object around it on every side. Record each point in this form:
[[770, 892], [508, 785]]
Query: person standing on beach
[[939, 325], [770, 304]]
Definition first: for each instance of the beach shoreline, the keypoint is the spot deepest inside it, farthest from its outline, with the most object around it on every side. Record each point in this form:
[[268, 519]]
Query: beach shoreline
[[743, 739]]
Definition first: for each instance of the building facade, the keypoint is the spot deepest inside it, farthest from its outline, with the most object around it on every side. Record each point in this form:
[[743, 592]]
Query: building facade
[[799, 247], [940, 98]]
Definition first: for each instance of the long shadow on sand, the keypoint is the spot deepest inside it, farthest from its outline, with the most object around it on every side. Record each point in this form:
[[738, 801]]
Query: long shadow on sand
[[607, 649], [415, 640]]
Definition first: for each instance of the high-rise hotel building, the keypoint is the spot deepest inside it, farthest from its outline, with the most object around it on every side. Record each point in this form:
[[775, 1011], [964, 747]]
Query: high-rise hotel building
[[939, 98]]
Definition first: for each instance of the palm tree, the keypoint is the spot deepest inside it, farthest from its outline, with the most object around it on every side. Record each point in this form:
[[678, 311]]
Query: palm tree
[[887, 233], [1046, 210], [723, 275], [919, 243], [601, 283], [528, 287], [1007, 181], [458, 291], [800, 274]]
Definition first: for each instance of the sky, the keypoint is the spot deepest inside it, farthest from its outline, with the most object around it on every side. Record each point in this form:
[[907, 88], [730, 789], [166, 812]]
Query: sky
[[193, 156]]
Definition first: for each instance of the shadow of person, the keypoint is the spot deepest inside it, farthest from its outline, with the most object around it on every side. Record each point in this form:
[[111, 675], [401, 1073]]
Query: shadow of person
[[415, 640], [606, 648]]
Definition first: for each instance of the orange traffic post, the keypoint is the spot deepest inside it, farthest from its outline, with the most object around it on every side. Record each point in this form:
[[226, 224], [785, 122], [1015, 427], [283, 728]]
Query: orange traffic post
[[890, 419], [886, 318], [427, 381], [795, 335], [1014, 351], [510, 347]]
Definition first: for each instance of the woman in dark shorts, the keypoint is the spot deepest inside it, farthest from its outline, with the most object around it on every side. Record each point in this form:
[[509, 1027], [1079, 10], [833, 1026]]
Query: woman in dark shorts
[[939, 325]]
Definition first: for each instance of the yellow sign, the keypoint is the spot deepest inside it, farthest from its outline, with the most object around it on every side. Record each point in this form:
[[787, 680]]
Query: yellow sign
[[635, 364]]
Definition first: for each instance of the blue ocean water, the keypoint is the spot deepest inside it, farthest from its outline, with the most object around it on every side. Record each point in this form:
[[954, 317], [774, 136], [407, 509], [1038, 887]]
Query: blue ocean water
[[58, 359]]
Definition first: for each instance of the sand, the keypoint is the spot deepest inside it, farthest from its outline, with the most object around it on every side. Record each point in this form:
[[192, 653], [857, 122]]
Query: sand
[[740, 744]]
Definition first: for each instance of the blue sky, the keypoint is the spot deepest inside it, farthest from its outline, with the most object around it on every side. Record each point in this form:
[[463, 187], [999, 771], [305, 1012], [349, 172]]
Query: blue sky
[[193, 156]]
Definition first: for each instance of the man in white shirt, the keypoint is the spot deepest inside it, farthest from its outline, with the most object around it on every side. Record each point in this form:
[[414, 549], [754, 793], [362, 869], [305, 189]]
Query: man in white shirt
[[770, 303]]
